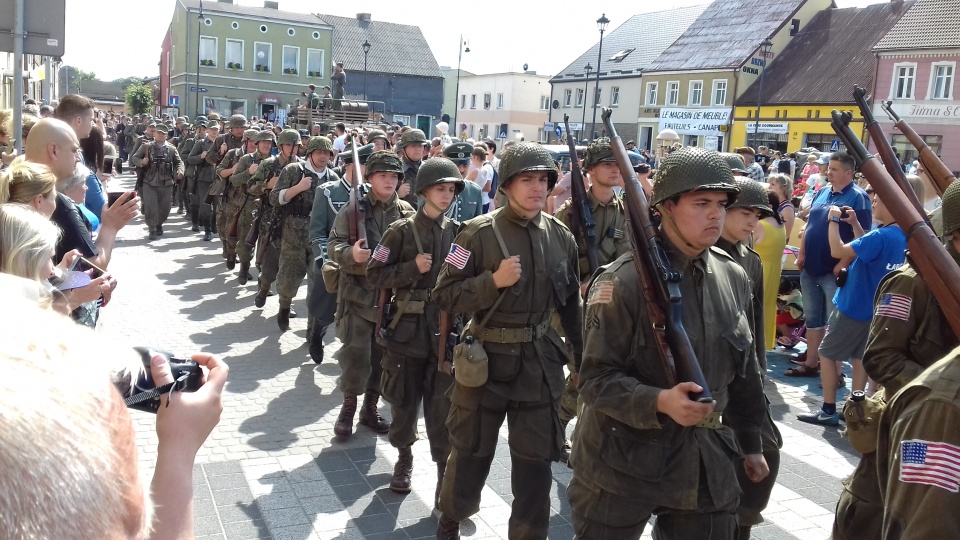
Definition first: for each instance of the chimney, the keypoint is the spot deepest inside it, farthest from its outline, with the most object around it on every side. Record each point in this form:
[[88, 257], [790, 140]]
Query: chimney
[[363, 17], [271, 5]]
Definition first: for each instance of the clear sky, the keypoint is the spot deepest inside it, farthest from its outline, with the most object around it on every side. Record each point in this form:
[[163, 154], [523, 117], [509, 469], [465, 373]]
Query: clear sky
[[121, 38]]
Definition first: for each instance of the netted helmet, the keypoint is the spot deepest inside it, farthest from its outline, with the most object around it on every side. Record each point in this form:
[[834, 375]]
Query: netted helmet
[[289, 136], [526, 156], [435, 171], [691, 169], [376, 134], [250, 134], [411, 136], [458, 152], [951, 208], [735, 162], [265, 135], [752, 195], [384, 161], [237, 121], [599, 151], [319, 143], [363, 153], [213, 124]]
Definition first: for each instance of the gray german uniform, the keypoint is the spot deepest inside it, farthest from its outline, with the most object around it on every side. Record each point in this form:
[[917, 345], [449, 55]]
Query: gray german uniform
[[467, 205], [330, 198], [157, 174]]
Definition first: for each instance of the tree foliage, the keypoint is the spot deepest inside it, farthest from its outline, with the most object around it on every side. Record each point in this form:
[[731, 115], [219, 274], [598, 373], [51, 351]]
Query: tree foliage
[[127, 81], [139, 98]]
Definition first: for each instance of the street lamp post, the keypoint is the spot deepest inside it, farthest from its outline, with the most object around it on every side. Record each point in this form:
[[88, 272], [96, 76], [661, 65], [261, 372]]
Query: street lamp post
[[456, 94], [602, 23], [586, 86], [366, 50], [198, 108], [764, 48]]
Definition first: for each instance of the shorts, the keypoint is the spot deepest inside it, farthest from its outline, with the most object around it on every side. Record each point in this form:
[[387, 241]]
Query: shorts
[[817, 295], [846, 339]]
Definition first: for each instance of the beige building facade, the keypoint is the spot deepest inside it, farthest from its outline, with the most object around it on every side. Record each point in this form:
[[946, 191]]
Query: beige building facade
[[503, 106]]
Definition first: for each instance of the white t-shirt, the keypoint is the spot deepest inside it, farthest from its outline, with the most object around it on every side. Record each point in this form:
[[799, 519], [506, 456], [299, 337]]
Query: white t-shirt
[[484, 176], [340, 143]]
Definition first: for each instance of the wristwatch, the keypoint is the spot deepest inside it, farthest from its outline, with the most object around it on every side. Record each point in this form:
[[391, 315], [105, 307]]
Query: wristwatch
[[835, 219]]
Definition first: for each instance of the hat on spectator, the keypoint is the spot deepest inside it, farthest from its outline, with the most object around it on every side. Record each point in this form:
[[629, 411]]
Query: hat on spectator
[[745, 150], [824, 159]]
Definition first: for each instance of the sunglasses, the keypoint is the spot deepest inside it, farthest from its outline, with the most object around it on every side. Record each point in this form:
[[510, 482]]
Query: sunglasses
[[869, 192]]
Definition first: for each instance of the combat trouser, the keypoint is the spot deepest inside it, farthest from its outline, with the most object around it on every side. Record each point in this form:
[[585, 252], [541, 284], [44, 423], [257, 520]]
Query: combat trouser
[[476, 415], [245, 252], [359, 357], [230, 211], [406, 381], [156, 204], [859, 515], [221, 216], [271, 263], [206, 210], [321, 305], [599, 514], [756, 495], [295, 255]]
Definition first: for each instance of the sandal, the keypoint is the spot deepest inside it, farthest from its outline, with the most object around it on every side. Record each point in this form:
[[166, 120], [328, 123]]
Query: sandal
[[802, 371], [800, 358]]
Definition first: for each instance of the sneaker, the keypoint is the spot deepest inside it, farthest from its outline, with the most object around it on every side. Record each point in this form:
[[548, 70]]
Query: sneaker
[[821, 418]]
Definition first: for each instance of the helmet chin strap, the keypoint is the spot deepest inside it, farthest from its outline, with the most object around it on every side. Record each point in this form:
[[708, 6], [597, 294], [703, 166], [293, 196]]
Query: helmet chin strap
[[668, 220]]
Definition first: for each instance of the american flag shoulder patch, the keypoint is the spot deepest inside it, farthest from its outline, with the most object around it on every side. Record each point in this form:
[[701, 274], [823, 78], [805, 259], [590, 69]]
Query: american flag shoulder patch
[[458, 256], [894, 306], [931, 463], [381, 253], [600, 293]]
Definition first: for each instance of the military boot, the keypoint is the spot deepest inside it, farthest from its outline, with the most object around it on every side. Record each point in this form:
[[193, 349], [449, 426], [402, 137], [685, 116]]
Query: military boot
[[370, 416], [283, 317], [244, 276], [316, 344], [447, 529], [231, 262], [159, 230], [565, 449], [152, 235], [207, 235], [195, 218], [441, 468], [261, 297], [344, 425], [402, 471]]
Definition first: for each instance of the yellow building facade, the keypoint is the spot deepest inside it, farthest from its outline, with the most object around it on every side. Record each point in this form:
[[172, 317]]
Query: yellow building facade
[[789, 128]]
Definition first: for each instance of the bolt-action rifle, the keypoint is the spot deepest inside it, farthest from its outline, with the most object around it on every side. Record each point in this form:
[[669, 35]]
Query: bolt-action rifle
[[581, 217]]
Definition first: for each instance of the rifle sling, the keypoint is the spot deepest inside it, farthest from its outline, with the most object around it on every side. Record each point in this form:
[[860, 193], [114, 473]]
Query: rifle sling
[[402, 308], [506, 255]]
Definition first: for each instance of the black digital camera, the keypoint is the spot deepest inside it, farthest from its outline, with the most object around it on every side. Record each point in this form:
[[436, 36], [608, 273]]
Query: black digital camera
[[139, 389]]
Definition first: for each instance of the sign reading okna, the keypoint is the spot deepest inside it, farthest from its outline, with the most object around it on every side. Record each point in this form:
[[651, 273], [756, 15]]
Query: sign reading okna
[[694, 121]]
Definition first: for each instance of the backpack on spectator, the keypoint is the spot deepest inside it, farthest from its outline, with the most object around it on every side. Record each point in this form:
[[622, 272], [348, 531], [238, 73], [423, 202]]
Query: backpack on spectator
[[495, 180]]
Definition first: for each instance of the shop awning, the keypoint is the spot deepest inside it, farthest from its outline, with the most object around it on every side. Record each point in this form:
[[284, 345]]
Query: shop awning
[[269, 97]]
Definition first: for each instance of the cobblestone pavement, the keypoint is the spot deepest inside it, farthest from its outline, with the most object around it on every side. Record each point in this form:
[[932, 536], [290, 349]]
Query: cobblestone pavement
[[272, 468]]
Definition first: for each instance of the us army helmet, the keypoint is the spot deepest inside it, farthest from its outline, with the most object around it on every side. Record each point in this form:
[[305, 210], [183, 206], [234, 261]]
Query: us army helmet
[[526, 156], [288, 136], [735, 162], [752, 195], [599, 151], [951, 208], [319, 143], [384, 161], [691, 169], [435, 171]]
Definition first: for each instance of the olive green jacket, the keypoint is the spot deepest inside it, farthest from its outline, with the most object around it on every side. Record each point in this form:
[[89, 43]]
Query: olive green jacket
[[610, 231]]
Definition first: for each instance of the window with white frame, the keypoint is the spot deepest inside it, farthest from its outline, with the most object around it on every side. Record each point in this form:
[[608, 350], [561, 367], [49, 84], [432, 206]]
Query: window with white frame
[[673, 92], [208, 51], [315, 63], [596, 96], [614, 96], [719, 92], [473, 101], [233, 54], [544, 103], [471, 132], [904, 81], [499, 101], [567, 97], [651, 94], [262, 56], [403, 119], [486, 100], [941, 80], [463, 101], [695, 95], [579, 97], [541, 135], [291, 60]]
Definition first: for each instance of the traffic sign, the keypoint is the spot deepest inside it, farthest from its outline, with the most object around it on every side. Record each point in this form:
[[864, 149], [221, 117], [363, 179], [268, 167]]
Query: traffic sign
[[548, 126], [174, 101], [195, 89], [559, 131], [503, 135], [835, 145]]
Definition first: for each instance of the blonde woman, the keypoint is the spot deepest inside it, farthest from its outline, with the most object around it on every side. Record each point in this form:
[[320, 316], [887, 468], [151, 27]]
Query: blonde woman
[[769, 240], [31, 184], [782, 186], [27, 244]]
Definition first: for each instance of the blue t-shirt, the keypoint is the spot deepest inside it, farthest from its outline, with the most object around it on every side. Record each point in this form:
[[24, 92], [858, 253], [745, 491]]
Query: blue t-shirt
[[95, 198], [878, 252], [816, 244]]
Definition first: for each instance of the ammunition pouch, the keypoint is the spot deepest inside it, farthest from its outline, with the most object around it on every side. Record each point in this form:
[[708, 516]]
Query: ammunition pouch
[[218, 187], [330, 272]]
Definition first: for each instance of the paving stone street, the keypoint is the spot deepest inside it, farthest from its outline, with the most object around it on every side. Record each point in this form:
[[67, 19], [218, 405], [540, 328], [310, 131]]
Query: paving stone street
[[273, 468]]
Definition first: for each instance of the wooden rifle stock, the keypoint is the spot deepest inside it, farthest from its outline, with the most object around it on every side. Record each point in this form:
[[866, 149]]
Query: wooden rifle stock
[[938, 172], [381, 307], [356, 209], [661, 282], [932, 261], [580, 213], [445, 356], [890, 161], [233, 229]]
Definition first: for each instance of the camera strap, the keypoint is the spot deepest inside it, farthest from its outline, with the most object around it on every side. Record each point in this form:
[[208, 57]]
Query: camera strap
[[157, 392]]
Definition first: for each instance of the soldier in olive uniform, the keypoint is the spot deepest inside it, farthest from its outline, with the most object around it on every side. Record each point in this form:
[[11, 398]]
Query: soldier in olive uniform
[[469, 202], [231, 200], [162, 167], [360, 356], [330, 198], [642, 445], [249, 204], [410, 149], [293, 196], [742, 218], [190, 171], [200, 212], [410, 371], [908, 333], [610, 229], [516, 265], [271, 224]]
